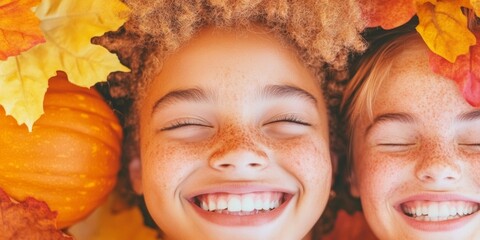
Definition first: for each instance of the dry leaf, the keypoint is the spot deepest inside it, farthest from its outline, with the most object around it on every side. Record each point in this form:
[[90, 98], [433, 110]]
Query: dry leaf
[[475, 5], [349, 227], [68, 27], [30, 219], [465, 72], [19, 27], [444, 28], [387, 14], [107, 223]]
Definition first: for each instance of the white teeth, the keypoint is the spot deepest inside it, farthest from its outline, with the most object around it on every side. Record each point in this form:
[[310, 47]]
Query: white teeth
[[258, 204], [433, 210], [204, 205], [444, 210], [221, 203], [452, 211], [424, 210], [266, 206], [234, 204], [211, 200], [439, 211], [245, 203]]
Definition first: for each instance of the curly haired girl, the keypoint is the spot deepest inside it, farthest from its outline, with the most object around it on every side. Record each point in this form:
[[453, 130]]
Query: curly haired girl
[[232, 109]]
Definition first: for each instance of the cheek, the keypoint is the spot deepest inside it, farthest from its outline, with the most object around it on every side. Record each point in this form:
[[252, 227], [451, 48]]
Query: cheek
[[378, 176], [308, 159], [165, 166], [474, 171]]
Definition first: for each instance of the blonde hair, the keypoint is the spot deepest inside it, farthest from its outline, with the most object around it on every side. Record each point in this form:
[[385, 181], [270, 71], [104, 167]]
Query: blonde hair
[[360, 93], [374, 68], [323, 32]]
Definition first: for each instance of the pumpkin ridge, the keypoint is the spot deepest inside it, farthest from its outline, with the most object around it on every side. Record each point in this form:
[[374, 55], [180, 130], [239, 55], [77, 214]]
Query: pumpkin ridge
[[100, 137], [117, 131]]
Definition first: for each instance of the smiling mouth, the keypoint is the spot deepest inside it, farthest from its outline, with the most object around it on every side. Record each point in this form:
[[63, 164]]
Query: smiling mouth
[[435, 211], [241, 204]]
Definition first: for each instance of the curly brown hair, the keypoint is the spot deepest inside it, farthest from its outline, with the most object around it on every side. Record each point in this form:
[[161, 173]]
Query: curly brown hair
[[323, 32]]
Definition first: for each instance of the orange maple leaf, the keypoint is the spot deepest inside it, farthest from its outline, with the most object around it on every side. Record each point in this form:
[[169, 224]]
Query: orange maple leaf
[[465, 72], [350, 227], [19, 27], [30, 219], [387, 14]]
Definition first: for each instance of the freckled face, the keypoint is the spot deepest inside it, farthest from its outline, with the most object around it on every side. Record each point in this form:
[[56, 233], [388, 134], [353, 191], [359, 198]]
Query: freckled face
[[417, 164], [234, 141]]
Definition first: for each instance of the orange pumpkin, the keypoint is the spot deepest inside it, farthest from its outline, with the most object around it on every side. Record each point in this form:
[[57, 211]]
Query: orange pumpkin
[[71, 158]]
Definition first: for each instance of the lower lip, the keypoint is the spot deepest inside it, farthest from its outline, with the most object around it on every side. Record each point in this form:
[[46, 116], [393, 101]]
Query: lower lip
[[446, 225], [241, 220]]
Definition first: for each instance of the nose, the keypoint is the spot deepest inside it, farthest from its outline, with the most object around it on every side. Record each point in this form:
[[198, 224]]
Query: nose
[[439, 169], [238, 150], [239, 159]]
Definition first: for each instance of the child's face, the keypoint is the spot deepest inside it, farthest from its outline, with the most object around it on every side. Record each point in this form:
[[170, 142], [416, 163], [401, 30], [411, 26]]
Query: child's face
[[417, 164], [233, 127]]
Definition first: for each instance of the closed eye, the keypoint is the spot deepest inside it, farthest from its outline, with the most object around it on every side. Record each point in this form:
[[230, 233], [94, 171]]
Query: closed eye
[[180, 123], [290, 118], [470, 147], [396, 147], [396, 144], [286, 126]]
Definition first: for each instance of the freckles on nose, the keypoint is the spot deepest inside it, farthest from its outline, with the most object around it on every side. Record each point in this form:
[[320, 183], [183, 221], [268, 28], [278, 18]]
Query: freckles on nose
[[437, 163], [233, 138]]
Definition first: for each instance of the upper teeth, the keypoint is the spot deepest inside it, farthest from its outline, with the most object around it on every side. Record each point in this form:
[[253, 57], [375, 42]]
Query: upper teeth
[[240, 202], [439, 211]]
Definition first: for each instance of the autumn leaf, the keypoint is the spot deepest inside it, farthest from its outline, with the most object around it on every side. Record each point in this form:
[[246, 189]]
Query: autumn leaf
[[30, 219], [465, 72], [350, 227], [107, 222], [475, 5], [387, 14], [19, 27], [68, 27], [444, 28]]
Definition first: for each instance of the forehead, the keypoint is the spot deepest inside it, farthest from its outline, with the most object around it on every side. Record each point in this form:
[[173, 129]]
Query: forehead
[[412, 86], [231, 59]]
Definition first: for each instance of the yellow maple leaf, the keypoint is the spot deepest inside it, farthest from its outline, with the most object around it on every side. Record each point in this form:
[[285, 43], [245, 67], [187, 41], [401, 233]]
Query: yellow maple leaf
[[107, 223], [19, 27], [68, 27], [475, 5], [444, 27]]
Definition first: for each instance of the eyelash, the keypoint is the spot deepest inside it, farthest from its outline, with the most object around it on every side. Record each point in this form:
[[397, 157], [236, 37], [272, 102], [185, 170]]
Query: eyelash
[[396, 144], [182, 123], [291, 119], [188, 122]]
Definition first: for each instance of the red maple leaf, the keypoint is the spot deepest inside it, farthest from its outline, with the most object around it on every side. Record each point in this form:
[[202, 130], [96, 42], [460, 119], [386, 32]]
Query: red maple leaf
[[387, 14], [30, 219], [465, 71]]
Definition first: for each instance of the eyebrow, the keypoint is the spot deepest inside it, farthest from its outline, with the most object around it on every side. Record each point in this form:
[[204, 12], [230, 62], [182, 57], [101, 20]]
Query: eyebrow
[[399, 117], [200, 95], [287, 91], [191, 94], [470, 116]]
